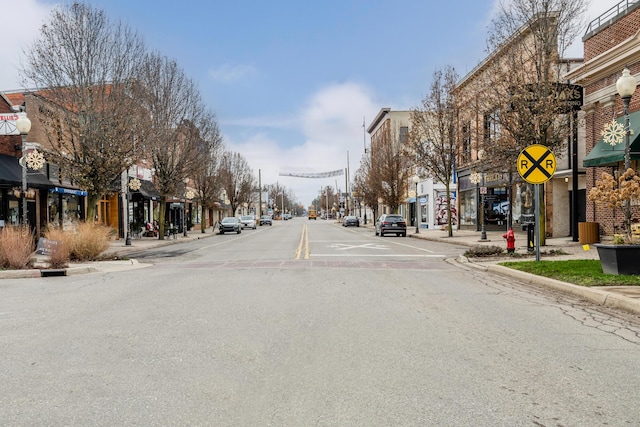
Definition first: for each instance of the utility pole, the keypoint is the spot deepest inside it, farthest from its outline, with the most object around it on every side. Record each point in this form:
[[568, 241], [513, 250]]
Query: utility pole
[[259, 194]]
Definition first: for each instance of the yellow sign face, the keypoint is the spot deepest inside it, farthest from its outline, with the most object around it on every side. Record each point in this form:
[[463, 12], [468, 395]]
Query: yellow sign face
[[536, 164]]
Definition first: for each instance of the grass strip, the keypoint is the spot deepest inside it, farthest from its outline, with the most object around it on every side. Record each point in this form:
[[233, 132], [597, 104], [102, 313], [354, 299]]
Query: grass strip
[[579, 272]]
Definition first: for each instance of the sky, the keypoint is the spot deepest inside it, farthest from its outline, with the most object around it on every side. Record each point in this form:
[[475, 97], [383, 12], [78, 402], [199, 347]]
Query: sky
[[292, 82]]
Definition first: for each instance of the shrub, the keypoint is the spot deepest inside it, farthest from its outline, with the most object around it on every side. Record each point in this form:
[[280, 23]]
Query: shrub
[[16, 247], [60, 253], [483, 251], [89, 241]]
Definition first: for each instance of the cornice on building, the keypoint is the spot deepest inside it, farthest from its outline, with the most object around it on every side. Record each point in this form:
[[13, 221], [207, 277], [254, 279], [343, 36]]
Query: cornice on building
[[627, 52], [517, 36], [379, 117]]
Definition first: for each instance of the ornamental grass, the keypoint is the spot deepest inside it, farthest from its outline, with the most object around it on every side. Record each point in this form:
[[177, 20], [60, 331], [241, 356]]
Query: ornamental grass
[[16, 247]]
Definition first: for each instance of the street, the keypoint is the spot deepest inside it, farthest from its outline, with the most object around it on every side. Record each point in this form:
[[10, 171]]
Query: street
[[310, 323]]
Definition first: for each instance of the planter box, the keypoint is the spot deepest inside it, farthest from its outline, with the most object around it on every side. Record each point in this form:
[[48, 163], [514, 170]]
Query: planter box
[[619, 259]]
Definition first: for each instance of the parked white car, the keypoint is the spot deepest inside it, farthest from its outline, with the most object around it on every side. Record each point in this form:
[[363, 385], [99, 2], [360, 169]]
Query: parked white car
[[248, 221]]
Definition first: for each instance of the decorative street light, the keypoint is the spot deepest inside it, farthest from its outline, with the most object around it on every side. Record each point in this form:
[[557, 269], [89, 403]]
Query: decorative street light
[[23, 124], [476, 178], [189, 195], [416, 180], [626, 86], [133, 185]]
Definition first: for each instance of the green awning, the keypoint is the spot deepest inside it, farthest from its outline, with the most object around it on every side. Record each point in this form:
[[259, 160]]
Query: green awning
[[603, 154]]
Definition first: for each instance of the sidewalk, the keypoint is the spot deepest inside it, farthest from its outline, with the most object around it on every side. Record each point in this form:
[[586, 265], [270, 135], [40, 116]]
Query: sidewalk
[[472, 238]]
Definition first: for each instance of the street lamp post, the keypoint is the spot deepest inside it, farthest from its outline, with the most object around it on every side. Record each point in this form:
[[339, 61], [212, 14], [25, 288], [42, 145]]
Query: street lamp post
[[127, 241], [416, 180], [626, 86], [476, 178], [23, 124]]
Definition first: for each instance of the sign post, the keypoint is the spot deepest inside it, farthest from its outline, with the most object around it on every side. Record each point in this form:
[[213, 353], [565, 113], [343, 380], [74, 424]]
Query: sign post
[[536, 164]]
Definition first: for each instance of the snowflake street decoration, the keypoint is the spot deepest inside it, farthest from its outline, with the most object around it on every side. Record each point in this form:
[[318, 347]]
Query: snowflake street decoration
[[475, 178], [135, 184], [613, 133], [190, 194], [35, 160]]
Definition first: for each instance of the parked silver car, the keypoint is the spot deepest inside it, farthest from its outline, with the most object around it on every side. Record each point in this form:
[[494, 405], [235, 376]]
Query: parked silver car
[[265, 220], [248, 221]]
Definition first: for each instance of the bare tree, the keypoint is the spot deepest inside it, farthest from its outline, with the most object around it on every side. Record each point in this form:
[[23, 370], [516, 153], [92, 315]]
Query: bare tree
[[390, 170], [169, 134], [531, 37], [365, 184], [236, 178], [206, 168], [432, 138], [82, 66], [326, 200], [522, 97]]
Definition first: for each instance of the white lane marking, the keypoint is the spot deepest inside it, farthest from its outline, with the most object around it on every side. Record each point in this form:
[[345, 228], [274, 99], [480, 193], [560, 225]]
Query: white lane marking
[[344, 246], [379, 255]]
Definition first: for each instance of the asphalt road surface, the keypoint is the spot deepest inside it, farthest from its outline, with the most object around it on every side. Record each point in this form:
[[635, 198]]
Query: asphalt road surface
[[307, 323]]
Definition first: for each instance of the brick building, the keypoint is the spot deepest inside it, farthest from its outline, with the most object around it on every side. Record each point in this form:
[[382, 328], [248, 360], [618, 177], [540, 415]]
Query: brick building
[[38, 186], [612, 41], [491, 193]]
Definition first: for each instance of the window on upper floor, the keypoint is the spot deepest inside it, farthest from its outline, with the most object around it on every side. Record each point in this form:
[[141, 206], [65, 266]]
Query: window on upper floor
[[491, 126], [466, 142], [404, 134]]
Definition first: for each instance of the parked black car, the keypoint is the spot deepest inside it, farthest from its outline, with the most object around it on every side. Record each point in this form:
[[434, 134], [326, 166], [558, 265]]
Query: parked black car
[[350, 220], [230, 224], [391, 223]]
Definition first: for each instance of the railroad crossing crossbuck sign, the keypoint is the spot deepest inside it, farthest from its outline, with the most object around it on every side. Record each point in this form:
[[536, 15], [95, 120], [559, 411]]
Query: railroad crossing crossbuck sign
[[536, 164]]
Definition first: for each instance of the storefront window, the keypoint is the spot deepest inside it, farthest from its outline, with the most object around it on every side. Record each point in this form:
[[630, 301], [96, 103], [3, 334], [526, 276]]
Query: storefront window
[[71, 209], [424, 209], [440, 207], [468, 207], [496, 206], [54, 209], [523, 212], [14, 212]]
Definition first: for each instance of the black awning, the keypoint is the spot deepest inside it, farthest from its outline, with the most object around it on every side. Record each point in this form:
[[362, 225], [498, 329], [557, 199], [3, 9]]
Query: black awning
[[11, 174], [148, 190]]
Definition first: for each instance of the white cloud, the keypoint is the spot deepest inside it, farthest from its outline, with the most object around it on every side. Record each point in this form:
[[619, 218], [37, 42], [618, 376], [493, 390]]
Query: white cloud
[[20, 34], [228, 73], [330, 125]]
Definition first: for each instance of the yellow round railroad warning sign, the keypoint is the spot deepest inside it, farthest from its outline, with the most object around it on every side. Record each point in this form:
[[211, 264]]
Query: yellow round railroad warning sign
[[536, 164]]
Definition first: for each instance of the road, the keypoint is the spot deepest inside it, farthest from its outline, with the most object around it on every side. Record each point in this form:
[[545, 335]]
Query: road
[[309, 323]]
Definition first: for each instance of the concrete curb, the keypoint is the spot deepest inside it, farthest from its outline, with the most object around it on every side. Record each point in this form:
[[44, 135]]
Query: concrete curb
[[598, 296], [20, 274]]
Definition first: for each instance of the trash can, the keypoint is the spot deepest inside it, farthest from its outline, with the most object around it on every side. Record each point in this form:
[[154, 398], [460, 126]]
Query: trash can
[[588, 233], [531, 231]]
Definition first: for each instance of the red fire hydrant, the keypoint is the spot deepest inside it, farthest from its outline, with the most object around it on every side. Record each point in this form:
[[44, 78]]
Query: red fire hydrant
[[511, 240]]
